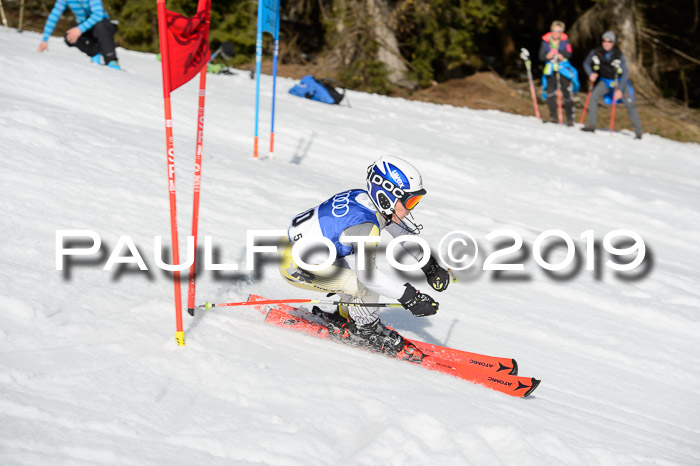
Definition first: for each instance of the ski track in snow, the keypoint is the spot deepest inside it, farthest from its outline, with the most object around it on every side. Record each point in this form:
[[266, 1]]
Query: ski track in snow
[[89, 371]]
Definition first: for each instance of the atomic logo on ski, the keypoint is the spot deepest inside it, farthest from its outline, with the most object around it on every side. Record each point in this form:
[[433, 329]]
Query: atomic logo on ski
[[501, 367], [480, 363], [522, 385], [502, 382], [531, 388]]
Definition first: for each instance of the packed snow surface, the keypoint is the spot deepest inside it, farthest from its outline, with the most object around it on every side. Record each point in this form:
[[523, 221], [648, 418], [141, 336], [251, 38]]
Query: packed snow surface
[[89, 369]]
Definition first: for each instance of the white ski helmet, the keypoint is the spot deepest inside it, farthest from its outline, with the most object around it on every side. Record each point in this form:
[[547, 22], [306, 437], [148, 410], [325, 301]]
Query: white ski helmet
[[392, 178]]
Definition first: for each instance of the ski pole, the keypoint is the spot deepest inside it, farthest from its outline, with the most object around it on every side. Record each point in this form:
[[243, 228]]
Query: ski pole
[[612, 116], [209, 305], [525, 57], [559, 112], [214, 55], [617, 65], [588, 99], [452, 275]]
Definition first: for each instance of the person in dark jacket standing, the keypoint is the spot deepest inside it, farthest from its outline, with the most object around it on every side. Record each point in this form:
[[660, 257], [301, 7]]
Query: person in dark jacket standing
[[607, 65], [94, 34], [555, 49]]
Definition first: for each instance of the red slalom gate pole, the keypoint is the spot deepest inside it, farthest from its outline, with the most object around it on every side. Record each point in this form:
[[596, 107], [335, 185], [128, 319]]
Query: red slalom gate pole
[[197, 185], [165, 63], [588, 99]]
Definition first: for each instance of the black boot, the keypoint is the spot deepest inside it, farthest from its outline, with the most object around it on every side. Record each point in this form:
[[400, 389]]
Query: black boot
[[379, 338], [336, 324]]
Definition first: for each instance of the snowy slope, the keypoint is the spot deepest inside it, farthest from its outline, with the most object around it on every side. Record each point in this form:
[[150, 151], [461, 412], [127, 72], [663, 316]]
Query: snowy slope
[[90, 372]]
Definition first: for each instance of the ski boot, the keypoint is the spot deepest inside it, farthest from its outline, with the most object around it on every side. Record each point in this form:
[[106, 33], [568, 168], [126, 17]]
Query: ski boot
[[114, 64], [337, 325], [411, 353], [378, 337], [97, 59]]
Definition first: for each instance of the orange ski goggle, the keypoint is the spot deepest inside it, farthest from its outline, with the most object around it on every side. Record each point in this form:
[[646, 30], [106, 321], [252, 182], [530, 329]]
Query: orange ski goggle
[[412, 201]]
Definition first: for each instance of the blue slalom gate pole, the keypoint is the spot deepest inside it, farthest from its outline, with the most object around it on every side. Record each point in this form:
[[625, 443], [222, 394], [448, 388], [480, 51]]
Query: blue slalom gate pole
[[274, 79], [258, 62]]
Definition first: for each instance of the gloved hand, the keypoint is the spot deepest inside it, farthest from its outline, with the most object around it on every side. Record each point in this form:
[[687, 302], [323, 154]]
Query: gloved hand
[[419, 304], [437, 277]]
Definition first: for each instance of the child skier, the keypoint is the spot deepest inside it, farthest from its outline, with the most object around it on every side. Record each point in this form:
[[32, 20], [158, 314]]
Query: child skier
[[394, 188], [555, 52]]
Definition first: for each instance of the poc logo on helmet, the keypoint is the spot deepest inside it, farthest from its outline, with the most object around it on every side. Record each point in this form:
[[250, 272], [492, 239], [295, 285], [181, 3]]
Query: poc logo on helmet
[[387, 185]]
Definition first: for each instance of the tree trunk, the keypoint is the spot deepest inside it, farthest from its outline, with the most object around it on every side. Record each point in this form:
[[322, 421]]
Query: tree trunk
[[388, 52], [509, 52], [625, 19], [628, 27]]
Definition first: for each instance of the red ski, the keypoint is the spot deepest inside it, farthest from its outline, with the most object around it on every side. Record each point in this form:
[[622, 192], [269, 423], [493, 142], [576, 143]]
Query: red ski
[[489, 363], [493, 372]]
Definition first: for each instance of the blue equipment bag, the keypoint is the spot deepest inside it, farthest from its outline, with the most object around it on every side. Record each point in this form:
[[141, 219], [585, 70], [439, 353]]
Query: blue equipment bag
[[320, 90]]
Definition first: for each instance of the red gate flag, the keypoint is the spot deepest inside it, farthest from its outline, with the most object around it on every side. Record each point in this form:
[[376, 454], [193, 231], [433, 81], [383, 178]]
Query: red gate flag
[[188, 44], [184, 46]]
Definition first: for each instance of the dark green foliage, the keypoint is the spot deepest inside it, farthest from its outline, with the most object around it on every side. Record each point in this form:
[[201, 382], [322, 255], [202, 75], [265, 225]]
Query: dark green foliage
[[369, 74], [351, 44], [233, 20], [138, 24], [440, 35]]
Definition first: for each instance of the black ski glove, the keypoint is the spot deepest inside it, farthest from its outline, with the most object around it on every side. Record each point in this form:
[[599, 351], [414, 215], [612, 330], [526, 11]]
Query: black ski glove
[[419, 304], [437, 277]]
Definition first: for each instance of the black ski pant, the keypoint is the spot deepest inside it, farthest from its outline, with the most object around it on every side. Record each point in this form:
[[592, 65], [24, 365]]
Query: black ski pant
[[98, 39], [566, 90], [599, 91]]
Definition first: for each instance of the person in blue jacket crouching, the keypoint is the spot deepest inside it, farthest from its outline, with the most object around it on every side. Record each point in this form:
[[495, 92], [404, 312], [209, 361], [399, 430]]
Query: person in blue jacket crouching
[[94, 34]]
